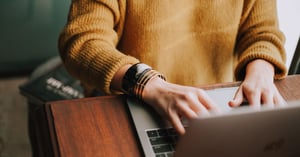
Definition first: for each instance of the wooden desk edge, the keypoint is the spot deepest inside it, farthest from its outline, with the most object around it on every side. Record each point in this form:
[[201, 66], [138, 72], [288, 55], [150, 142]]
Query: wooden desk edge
[[51, 125]]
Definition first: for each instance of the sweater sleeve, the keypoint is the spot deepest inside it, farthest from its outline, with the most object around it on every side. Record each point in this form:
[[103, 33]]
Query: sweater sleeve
[[259, 37], [87, 44]]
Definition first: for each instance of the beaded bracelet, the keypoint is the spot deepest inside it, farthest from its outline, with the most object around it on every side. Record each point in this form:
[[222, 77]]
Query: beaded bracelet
[[136, 78]]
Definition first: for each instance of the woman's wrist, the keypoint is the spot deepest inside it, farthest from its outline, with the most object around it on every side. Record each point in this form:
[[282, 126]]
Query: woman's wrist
[[260, 67], [136, 78], [116, 83], [154, 87]]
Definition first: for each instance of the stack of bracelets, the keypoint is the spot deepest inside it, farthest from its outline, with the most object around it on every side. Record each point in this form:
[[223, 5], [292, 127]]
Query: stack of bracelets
[[136, 78]]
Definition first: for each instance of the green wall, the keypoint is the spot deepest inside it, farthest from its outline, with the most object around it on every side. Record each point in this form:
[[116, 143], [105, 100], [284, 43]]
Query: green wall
[[29, 31]]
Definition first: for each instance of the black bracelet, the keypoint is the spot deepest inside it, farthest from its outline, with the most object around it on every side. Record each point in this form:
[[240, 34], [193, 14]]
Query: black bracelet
[[137, 77], [132, 75]]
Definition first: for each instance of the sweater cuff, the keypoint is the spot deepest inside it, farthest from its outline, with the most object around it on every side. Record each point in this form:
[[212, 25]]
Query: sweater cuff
[[260, 53], [113, 69]]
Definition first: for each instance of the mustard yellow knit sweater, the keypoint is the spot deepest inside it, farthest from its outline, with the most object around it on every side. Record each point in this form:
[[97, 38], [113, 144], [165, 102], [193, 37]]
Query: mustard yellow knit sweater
[[191, 42]]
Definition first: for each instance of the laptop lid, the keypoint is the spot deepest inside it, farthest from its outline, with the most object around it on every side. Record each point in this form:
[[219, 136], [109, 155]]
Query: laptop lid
[[239, 133], [244, 132]]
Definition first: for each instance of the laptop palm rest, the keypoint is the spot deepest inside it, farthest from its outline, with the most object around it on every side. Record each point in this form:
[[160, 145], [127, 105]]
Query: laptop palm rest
[[145, 117]]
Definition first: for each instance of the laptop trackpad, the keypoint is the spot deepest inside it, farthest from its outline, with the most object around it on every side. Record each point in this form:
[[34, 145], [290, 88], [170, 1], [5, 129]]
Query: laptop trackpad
[[221, 96]]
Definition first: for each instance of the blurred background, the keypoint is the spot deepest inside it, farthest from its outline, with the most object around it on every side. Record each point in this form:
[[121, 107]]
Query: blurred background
[[28, 37], [29, 31]]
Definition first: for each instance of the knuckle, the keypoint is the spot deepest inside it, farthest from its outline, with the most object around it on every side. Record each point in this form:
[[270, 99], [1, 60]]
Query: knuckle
[[188, 95], [268, 90], [200, 91], [250, 89], [170, 111]]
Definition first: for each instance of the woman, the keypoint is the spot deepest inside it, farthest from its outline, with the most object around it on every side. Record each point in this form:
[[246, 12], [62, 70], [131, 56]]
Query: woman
[[113, 46]]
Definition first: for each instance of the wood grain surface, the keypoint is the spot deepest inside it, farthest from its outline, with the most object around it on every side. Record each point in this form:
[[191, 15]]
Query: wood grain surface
[[101, 126]]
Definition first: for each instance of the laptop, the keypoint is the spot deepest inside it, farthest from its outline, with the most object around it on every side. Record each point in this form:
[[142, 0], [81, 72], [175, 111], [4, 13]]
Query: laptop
[[242, 131]]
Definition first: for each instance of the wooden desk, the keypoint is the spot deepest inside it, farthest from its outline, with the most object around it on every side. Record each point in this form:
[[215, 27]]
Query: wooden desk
[[101, 126]]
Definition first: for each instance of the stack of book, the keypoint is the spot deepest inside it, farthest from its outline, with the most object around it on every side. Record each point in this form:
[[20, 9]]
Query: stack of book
[[51, 82]]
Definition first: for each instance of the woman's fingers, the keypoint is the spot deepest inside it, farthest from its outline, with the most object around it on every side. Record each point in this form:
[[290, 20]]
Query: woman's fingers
[[190, 105], [206, 101], [266, 95], [253, 97], [176, 122], [238, 98], [267, 98], [175, 101], [278, 99], [187, 111]]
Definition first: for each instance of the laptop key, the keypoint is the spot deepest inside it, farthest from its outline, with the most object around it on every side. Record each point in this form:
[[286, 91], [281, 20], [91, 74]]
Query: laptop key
[[152, 133], [170, 154], [161, 140], [160, 155], [162, 148], [162, 132], [172, 131]]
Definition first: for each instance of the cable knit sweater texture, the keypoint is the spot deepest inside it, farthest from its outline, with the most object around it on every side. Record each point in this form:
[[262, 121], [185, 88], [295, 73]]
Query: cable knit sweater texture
[[191, 42]]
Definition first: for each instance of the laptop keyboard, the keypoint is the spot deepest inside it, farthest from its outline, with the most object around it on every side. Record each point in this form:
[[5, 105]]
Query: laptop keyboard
[[163, 141]]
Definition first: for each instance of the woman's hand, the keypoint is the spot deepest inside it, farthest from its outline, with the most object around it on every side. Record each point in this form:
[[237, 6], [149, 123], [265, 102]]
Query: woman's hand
[[174, 101], [171, 100], [258, 87]]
